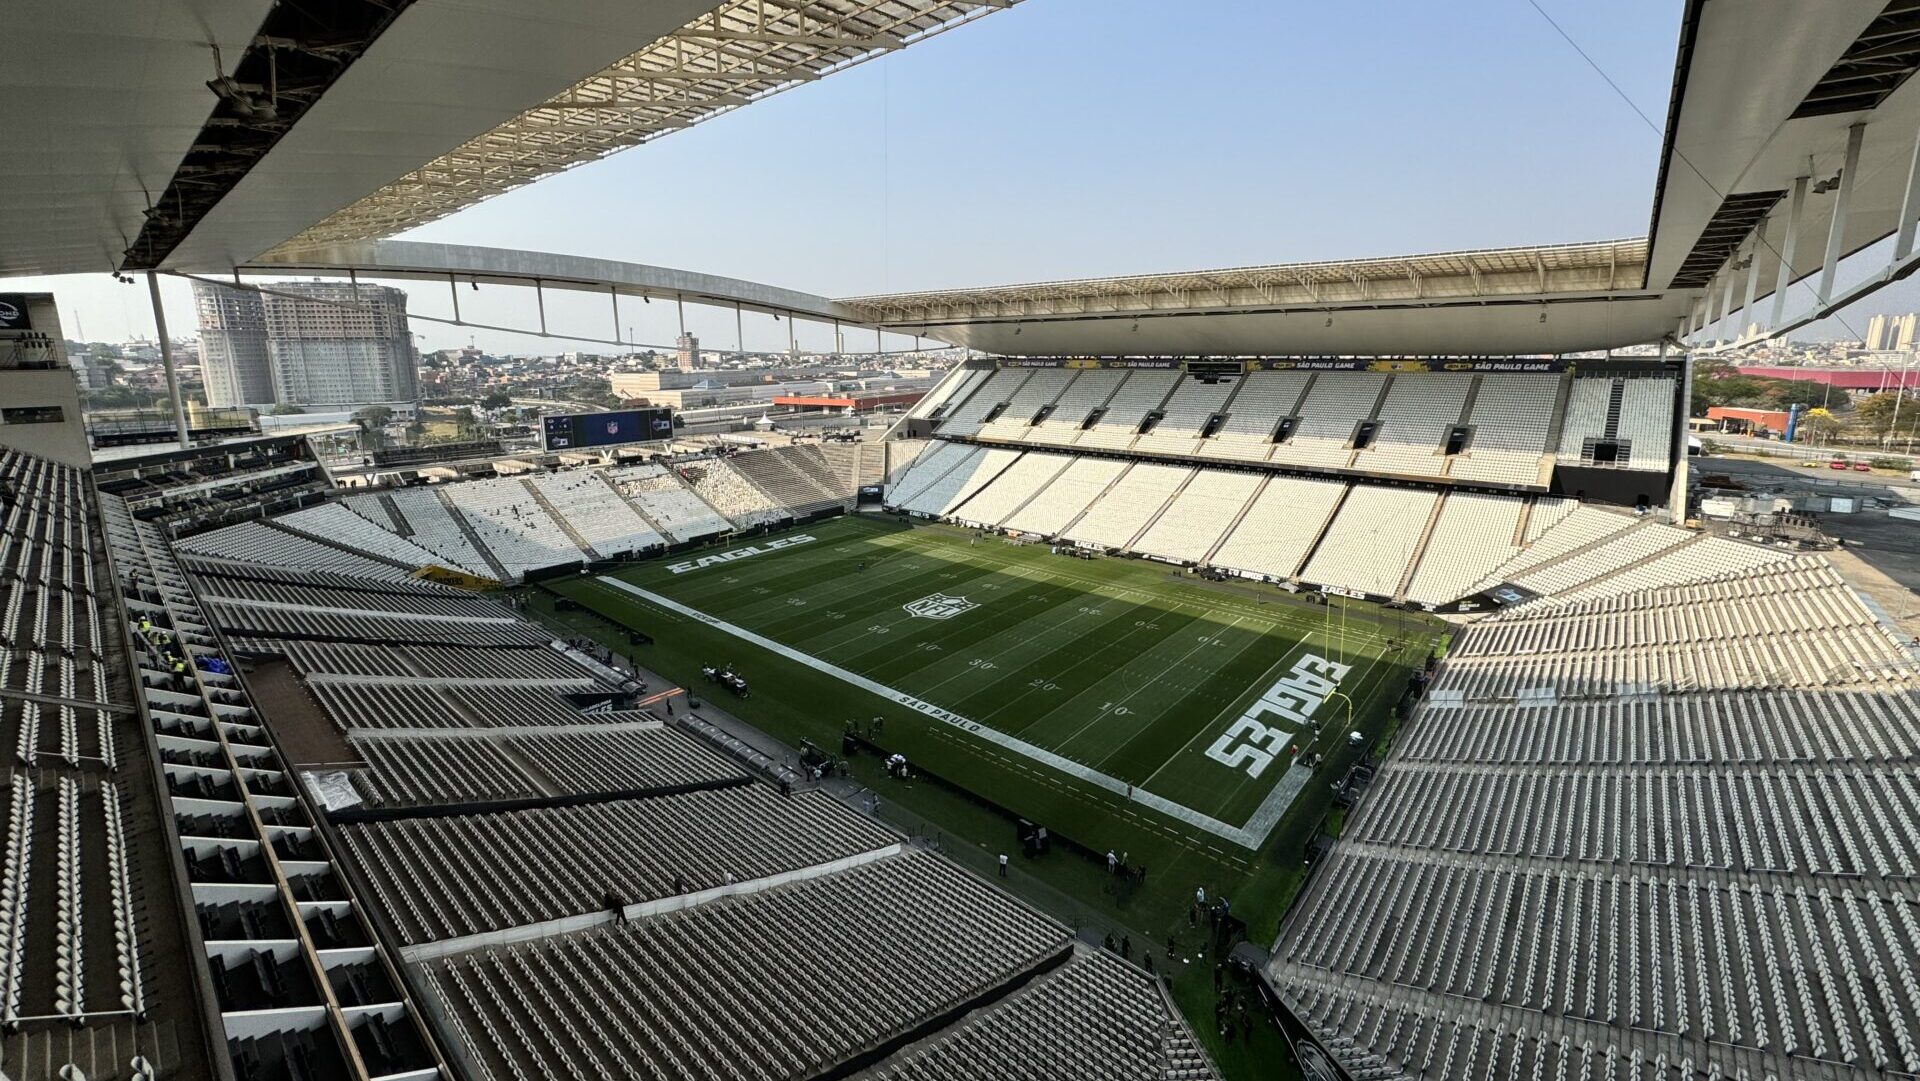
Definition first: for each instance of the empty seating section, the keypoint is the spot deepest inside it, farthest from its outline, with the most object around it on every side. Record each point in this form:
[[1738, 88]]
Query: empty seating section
[[1116, 517], [1473, 532], [387, 705], [495, 663], [1415, 418], [949, 391], [1094, 1017], [1511, 419], [1041, 389], [1199, 516], [966, 418], [1012, 488], [1704, 557], [246, 619], [1194, 401], [416, 772], [405, 770], [1371, 540], [306, 597], [1335, 405], [1581, 528], [1673, 825], [1279, 527], [1140, 393], [333, 522], [667, 503], [1623, 550], [795, 477], [258, 542], [1265, 398], [847, 467], [519, 533], [1586, 418], [975, 466], [733, 495], [621, 760], [451, 876], [715, 991], [1070, 411], [929, 466], [900, 456], [595, 511], [1646, 419], [1061, 501], [429, 522]]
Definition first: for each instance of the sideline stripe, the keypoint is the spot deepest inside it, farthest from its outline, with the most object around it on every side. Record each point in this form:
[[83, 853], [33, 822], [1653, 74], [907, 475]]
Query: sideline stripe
[[1244, 837]]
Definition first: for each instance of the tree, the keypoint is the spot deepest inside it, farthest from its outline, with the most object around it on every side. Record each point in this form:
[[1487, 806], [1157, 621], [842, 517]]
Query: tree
[[1876, 412], [465, 425], [498, 399], [286, 409], [373, 417], [1818, 425]]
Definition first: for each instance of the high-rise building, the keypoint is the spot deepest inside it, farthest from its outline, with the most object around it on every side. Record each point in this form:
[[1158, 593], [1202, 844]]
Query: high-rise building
[[688, 356], [307, 343], [233, 345], [1892, 333]]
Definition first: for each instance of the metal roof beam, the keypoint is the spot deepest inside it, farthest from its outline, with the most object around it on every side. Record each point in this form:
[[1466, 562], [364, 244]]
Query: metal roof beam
[[772, 37]]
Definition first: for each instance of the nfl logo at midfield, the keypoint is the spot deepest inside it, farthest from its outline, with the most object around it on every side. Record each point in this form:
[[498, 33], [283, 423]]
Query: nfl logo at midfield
[[938, 606]]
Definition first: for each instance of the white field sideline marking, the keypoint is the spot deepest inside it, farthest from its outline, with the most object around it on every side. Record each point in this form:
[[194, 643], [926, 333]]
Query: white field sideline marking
[[1246, 838]]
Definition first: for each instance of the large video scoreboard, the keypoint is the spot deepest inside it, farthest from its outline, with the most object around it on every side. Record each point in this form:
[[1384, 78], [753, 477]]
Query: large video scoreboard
[[572, 431]]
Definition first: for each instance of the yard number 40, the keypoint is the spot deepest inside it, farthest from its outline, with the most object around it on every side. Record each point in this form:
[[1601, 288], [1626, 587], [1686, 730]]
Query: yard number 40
[[1252, 743]]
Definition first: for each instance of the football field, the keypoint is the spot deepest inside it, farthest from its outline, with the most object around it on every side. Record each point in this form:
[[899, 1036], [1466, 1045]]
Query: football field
[[1196, 702]]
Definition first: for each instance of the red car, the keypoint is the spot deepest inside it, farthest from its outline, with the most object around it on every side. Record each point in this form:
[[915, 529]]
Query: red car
[[1862, 467], [1836, 465]]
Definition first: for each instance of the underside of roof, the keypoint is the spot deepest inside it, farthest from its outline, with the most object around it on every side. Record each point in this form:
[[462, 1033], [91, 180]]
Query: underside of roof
[[736, 54]]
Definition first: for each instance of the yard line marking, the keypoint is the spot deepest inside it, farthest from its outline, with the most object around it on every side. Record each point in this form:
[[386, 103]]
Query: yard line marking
[[1205, 640], [1244, 837]]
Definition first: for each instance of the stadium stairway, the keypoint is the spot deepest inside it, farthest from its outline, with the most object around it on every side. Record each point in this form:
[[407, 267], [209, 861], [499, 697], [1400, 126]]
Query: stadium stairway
[[652, 523], [1420, 548], [1306, 557], [1558, 421], [1104, 492], [1258, 491], [321, 538], [560, 520], [1066, 462], [500, 572], [1164, 507], [400, 527]]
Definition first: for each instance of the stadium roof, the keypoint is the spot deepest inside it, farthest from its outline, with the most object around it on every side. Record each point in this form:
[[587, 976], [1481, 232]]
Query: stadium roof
[[1557, 298], [349, 121]]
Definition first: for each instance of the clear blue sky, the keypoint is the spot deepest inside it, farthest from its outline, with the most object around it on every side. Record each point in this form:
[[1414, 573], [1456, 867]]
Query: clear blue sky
[[1095, 137]]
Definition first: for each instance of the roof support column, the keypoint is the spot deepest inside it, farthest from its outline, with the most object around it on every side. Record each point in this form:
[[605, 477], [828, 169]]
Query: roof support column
[[166, 360], [793, 350], [540, 299], [739, 333], [680, 305], [1753, 275], [839, 340], [1706, 308], [1785, 276], [1728, 332], [453, 288], [1909, 206], [614, 295], [1836, 235]]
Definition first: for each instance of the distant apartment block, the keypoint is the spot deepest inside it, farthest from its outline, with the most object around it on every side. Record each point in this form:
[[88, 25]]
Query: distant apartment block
[[1892, 333], [306, 343]]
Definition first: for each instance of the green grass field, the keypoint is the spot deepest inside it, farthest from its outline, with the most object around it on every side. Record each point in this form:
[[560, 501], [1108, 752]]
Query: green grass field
[[1128, 671]]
